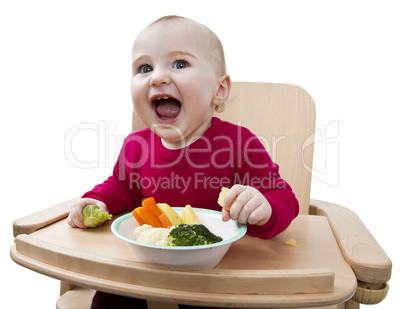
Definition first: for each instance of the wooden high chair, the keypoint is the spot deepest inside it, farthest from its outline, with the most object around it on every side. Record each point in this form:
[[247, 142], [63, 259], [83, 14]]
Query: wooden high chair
[[336, 263]]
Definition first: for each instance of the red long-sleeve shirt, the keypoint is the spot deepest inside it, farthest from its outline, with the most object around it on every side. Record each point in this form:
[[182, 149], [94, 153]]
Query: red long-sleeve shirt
[[226, 154]]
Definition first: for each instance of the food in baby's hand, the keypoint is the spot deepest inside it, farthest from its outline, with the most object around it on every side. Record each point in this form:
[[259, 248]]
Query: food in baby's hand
[[221, 198], [93, 216], [181, 235], [188, 216]]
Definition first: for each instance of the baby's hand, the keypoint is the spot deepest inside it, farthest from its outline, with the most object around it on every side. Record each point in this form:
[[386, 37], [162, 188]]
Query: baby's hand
[[75, 217], [249, 207]]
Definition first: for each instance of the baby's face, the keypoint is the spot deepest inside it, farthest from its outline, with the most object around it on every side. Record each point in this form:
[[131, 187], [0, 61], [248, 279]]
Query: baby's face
[[174, 80]]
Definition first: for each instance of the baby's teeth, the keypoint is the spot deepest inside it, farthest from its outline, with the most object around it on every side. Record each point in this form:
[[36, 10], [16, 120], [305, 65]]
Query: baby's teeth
[[161, 98]]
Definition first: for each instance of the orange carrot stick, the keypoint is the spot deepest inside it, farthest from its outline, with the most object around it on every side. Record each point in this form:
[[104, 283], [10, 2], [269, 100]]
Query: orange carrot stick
[[151, 204], [150, 217], [139, 211], [137, 216], [164, 220]]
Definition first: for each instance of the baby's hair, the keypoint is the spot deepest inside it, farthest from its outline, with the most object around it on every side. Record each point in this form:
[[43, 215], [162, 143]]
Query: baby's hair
[[216, 44]]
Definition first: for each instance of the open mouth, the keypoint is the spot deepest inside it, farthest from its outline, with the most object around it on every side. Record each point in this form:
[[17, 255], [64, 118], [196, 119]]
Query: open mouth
[[167, 108]]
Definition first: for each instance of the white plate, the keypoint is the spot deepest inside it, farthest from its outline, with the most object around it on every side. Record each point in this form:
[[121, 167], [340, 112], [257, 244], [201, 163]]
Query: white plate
[[206, 256]]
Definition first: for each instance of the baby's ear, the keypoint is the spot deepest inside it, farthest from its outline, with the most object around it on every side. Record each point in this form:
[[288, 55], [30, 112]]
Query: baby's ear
[[223, 90]]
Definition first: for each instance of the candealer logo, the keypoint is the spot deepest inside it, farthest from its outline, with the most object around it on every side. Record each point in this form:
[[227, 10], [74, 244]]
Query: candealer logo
[[226, 155], [326, 148], [107, 148]]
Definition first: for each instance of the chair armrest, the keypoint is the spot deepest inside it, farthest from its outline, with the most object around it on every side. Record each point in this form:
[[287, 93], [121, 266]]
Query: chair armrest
[[361, 251], [37, 220]]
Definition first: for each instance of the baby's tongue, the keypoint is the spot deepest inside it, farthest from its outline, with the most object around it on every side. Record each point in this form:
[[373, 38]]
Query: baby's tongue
[[168, 108]]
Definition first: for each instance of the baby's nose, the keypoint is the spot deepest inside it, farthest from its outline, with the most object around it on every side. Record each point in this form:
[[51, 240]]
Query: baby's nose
[[159, 77]]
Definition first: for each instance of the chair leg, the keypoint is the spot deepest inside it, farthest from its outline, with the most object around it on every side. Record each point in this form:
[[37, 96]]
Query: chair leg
[[65, 287], [351, 304], [65, 301], [76, 298]]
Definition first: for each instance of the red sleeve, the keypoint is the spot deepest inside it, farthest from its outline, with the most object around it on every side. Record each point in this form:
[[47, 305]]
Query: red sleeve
[[263, 174]]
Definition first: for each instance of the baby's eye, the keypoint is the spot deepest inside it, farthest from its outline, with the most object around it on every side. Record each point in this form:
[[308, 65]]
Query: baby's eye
[[180, 64], [146, 68]]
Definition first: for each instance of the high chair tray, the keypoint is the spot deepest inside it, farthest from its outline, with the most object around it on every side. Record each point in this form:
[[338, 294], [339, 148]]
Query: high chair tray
[[256, 273]]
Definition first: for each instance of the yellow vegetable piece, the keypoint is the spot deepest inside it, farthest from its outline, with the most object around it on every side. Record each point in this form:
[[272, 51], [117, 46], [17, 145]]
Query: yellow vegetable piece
[[221, 198], [188, 216], [170, 213], [291, 242]]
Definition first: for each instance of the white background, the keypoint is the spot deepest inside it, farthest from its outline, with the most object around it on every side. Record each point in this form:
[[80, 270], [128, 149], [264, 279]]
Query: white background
[[65, 63]]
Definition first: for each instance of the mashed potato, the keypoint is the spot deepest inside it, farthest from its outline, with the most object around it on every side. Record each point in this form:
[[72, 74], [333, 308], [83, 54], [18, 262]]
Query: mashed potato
[[150, 235]]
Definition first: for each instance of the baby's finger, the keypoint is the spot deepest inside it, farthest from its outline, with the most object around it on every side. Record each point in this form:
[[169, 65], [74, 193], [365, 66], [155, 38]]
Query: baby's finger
[[260, 215], [79, 223], [75, 216], [242, 198], [74, 221], [70, 222], [247, 210], [225, 215]]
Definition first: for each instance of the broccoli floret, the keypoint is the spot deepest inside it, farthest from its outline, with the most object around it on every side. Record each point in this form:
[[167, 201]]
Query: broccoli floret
[[193, 235]]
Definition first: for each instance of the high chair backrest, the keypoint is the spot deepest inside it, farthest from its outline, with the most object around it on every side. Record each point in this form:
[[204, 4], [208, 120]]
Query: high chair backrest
[[283, 117]]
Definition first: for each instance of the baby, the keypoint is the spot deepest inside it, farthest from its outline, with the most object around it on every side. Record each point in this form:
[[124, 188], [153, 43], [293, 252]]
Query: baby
[[185, 155]]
